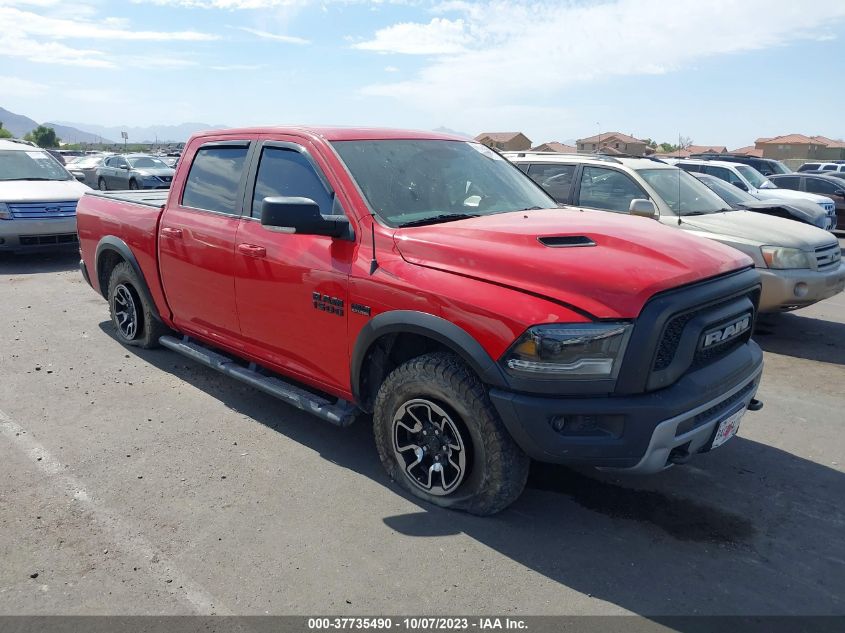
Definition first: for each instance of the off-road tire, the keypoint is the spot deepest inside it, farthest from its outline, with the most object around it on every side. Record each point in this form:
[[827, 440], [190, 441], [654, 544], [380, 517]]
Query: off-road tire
[[148, 329], [498, 470]]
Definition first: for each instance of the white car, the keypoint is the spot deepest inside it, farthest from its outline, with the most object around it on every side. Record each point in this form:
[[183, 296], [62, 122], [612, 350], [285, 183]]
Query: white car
[[749, 179], [835, 167], [38, 199]]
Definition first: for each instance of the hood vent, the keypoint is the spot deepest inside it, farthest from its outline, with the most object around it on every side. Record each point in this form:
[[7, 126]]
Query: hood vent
[[565, 241]]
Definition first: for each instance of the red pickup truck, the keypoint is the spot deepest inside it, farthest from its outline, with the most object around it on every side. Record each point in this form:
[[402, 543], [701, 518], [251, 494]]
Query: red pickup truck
[[424, 279]]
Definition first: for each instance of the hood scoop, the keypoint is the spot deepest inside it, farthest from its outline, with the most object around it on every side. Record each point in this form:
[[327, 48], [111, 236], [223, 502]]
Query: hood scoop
[[565, 241]]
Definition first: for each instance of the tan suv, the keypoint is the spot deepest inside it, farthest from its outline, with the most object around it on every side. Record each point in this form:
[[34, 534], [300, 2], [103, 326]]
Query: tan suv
[[799, 264]]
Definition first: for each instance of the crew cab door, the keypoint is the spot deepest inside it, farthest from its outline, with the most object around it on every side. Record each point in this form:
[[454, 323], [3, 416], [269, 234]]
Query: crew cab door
[[291, 289], [197, 241]]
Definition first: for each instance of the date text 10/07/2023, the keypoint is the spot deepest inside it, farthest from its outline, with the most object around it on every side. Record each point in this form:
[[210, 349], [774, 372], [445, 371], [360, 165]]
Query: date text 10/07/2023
[[416, 623]]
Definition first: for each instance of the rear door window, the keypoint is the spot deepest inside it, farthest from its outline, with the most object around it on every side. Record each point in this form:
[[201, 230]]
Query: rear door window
[[556, 179], [214, 179]]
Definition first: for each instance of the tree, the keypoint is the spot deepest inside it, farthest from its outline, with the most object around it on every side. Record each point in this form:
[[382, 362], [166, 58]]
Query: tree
[[4, 133], [43, 137]]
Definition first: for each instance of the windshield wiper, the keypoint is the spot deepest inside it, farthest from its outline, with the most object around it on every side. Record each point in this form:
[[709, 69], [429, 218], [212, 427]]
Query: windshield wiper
[[437, 219], [40, 178]]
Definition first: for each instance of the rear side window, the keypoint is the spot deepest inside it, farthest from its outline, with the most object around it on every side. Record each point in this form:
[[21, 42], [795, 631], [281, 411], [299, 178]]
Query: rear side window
[[214, 178], [286, 172], [556, 179], [689, 166], [788, 182], [828, 167]]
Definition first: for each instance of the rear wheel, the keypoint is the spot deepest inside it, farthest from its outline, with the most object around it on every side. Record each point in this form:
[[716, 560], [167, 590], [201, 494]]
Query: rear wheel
[[131, 314], [101, 184], [440, 438]]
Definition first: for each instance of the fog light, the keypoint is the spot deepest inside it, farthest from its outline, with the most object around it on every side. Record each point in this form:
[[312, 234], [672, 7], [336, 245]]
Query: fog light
[[588, 425], [800, 289]]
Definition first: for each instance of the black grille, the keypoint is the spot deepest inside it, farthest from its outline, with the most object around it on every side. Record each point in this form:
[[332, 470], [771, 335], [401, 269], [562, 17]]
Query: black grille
[[675, 327], [714, 412], [42, 240]]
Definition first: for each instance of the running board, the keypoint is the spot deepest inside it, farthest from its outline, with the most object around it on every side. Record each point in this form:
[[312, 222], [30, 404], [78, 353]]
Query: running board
[[341, 413]]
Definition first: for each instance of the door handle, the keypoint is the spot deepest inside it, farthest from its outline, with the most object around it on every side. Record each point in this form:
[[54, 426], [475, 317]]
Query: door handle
[[169, 232], [252, 250]]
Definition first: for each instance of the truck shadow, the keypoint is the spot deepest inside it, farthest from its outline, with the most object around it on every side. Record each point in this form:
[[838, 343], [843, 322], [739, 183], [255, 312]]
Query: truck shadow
[[801, 337], [753, 530], [42, 262]]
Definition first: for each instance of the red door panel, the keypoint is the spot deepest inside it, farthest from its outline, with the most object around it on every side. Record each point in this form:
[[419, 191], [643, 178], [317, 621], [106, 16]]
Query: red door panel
[[196, 251]]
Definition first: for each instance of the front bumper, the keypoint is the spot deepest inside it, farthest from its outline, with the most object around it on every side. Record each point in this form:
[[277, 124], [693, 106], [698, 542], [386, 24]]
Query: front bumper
[[781, 289], [682, 416], [46, 233]]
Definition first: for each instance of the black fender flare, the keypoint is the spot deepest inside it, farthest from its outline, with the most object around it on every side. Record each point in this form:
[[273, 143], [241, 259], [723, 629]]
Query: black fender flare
[[444, 332], [117, 245]]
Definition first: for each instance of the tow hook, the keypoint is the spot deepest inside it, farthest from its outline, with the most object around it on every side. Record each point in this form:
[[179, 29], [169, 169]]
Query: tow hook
[[755, 405]]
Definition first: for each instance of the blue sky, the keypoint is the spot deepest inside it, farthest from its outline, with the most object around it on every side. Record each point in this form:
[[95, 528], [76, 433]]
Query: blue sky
[[720, 72]]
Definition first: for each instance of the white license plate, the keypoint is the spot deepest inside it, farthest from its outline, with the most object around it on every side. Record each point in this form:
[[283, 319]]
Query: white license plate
[[727, 428]]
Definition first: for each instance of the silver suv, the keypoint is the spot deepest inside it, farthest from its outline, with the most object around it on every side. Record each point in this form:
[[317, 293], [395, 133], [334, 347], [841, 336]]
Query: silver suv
[[799, 264]]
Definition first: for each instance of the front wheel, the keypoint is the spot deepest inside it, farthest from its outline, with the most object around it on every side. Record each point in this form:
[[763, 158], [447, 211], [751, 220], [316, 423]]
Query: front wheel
[[133, 184], [439, 437]]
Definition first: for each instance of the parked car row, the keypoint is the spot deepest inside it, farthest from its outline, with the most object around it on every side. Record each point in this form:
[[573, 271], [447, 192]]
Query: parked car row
[[799, 264]]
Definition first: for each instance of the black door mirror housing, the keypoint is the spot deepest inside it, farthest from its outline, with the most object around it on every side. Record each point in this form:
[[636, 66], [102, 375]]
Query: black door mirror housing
[[302, 216]]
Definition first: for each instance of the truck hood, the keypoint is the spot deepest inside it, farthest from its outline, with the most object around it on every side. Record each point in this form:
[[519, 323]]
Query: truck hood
[[758, 229], [632, 258], [803, 210], [790, 194], [41, 190]]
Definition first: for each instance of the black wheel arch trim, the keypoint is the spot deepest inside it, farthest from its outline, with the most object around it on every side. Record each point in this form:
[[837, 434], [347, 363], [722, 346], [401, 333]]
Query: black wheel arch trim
[[117, 245], [439, 329]]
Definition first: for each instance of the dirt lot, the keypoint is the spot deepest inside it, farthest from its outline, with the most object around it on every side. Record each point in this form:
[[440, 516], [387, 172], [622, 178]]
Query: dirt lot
[[137, 482]]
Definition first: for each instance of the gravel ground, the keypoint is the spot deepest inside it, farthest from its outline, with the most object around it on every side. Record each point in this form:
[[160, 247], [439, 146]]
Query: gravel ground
[[137, 482]]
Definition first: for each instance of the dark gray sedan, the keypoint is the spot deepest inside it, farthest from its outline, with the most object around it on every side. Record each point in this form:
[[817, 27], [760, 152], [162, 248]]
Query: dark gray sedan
[[134, 171]]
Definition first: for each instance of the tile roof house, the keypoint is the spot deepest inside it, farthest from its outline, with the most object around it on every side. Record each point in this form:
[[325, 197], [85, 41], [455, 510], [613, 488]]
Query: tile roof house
[[748, 150], [505, 141], [707, 149], [801, 146], [554, 146], [621, 143]]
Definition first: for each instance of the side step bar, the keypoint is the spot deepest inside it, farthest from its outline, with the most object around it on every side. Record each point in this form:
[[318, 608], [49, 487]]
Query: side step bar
[[341, 413]]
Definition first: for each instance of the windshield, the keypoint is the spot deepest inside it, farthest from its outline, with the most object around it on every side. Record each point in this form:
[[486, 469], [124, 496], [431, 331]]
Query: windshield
[[32, 164], [727, 192], [779, 168], [146, 162], [757, 180], [683, 193], [426, 181]]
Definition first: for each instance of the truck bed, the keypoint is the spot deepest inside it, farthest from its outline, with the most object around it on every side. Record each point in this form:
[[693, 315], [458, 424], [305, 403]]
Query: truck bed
[[153, 198]]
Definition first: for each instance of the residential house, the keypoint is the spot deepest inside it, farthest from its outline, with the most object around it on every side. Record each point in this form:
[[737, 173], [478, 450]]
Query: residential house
[[554, 146], [799, 146], [748, 150], [707, 149], [505, 141], [612, 142]]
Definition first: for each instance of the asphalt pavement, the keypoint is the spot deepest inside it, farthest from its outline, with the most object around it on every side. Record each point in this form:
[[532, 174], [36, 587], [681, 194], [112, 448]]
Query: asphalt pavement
[[138, 482]]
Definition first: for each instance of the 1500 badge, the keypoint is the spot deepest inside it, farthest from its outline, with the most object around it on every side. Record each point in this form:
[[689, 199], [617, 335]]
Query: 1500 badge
[[325, 303]]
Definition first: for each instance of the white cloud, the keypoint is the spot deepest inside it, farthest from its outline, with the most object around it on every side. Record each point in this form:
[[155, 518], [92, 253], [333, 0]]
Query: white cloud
[[26, 22], [18, 87], [438, 37], [501, 53], [391, 69], [288, 39], [15, 45], [227, 67]]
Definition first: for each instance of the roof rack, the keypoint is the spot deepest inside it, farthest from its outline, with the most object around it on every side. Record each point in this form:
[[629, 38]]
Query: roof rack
[[523, 154]]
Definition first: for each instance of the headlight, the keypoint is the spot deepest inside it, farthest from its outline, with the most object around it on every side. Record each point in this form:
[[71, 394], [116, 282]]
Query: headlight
[[577, 351], [780, 258], [5, 214]]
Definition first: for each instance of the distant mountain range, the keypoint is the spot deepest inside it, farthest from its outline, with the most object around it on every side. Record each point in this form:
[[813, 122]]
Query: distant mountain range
[[70, 132], [20, 125], [149, 134]]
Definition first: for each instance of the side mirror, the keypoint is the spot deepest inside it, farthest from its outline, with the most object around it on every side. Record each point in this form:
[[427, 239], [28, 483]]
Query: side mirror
[[642, 208], [839, 192], [740, 185], [79, 177], [301, 215], [126, 167]]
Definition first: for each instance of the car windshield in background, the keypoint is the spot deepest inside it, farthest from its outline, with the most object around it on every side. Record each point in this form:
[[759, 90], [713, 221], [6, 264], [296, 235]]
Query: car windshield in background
[[727, 192], [30, 165], [779, 168], [428, 181], [753, 176], [146, 162], [683, 193]]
